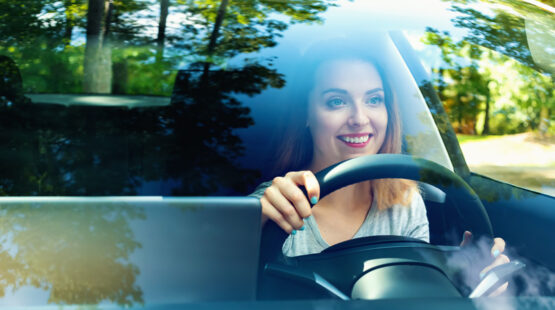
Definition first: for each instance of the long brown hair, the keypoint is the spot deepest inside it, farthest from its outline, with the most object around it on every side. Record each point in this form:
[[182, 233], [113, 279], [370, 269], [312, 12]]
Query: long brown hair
[[296, 149]]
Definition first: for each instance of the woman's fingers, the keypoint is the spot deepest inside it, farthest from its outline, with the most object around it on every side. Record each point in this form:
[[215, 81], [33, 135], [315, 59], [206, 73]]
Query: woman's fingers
[[286, 204], [282, 203], [498, 247], [467, 236], [312, 186], [270, 212], [309, 181], [291, 191]]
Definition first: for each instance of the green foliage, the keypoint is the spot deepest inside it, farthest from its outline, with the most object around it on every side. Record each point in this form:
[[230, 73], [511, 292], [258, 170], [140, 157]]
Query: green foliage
[[246, 25], [135, 72], [46, 49], [475, 80]]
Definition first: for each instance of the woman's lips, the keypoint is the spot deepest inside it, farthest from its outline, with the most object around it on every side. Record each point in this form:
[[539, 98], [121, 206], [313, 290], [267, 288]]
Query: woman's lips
[[356, 140]]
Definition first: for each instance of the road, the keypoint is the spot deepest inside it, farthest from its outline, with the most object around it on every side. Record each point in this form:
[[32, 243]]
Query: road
[[522, 159]]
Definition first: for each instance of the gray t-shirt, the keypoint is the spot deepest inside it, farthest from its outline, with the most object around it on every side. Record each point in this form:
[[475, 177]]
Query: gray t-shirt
[[409, 221]]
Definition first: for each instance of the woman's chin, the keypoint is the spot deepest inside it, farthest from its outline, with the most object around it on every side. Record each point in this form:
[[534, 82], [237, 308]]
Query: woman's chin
[[355, 155]]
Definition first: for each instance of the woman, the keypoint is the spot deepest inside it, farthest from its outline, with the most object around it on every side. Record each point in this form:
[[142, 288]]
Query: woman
[[351, 112]]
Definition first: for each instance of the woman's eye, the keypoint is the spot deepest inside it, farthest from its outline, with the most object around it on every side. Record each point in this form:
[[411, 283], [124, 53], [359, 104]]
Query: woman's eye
[[335, 102], [375, 100]]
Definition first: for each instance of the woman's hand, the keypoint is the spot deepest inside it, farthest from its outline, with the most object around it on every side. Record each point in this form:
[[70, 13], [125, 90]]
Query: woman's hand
[[497, 254], [285, 203]]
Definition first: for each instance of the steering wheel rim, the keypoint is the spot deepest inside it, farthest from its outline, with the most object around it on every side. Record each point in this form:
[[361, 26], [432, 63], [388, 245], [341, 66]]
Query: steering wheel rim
[[379, 166]]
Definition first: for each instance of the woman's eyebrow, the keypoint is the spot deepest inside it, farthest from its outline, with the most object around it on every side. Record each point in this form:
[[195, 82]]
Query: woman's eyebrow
[[334, 90], [345, 92], [377, 89]]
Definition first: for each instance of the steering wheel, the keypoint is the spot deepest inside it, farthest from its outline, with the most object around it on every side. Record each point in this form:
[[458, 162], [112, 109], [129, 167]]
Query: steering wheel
[[380, 166], [459, 194]]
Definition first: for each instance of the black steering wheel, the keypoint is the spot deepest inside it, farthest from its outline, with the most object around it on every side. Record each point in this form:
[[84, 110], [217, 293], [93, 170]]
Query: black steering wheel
[[380, 166], [460, 195]]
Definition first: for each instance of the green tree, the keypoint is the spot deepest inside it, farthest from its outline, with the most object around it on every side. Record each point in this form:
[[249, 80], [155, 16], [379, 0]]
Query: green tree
[[471, 83], [222, 29], [162, 21], [105, 23], [506, 33], [461, 86]]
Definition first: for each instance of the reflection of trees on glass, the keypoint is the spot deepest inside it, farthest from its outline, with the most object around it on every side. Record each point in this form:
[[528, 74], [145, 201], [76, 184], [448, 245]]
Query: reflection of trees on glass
[[224, 28], [505, 33], [56, 150], [11, 87], [462, 87], [97, 77], [488, 81], [79, 254], [107, 22], [500, 31], [491, 82], [204, 112], [52, 50], [86, 150], [202, 118], [106, 46]]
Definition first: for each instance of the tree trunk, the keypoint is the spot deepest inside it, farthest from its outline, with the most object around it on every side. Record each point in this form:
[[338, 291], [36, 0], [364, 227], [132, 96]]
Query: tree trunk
[[215, 33], [459, 113], [98, 56], [544, 121], [217, 26], [67, 34], [70, 23], [485, 129], [160, 40]]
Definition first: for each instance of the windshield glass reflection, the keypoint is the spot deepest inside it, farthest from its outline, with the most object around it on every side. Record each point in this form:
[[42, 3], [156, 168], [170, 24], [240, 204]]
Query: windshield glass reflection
[[190, 98]]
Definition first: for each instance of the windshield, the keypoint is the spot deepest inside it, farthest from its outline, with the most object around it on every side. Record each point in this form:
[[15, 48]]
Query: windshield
[[200, 98], [163, 99]]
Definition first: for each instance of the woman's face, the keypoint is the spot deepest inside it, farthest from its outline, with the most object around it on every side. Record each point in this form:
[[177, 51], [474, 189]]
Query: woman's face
[[347, 115]]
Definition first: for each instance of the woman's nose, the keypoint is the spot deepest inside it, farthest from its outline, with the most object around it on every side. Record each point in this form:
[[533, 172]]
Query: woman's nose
[[358, 116]]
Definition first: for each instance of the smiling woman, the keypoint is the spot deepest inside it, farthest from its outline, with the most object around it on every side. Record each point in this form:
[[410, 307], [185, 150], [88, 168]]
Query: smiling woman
[[349, 110]]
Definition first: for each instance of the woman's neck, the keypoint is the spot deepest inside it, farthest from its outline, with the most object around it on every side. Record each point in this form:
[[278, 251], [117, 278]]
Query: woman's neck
[[353, 198], [340, 214]]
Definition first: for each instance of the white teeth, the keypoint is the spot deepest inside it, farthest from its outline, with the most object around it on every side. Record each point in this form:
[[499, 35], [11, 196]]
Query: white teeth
[[362, 139]]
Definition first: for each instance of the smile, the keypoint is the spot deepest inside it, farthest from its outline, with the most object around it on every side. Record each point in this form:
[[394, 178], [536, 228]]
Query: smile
[[355, 140]]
